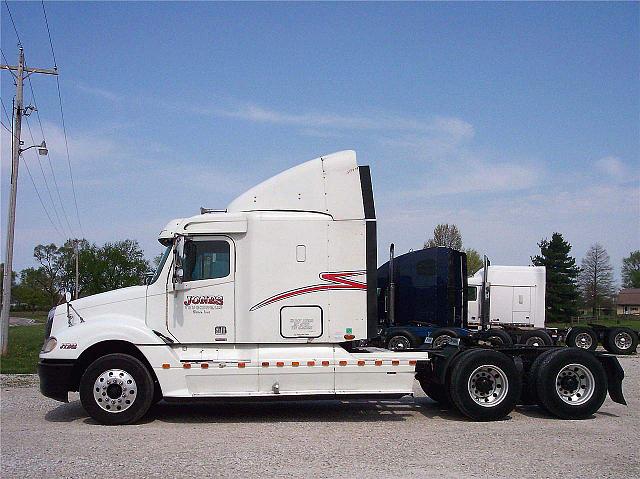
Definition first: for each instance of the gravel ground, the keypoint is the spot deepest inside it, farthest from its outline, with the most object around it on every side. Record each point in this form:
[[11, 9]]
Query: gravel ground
[[407, 438]]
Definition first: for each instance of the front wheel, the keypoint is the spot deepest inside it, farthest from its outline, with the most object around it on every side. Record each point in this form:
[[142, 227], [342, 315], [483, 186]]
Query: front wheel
[[485, 385], [116, 389]]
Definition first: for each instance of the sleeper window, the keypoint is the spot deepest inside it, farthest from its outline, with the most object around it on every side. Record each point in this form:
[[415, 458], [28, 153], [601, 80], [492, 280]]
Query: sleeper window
[[206, 260]]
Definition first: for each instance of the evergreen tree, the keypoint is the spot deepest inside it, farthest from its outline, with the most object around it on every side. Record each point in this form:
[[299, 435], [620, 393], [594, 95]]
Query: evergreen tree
[[562, 273]]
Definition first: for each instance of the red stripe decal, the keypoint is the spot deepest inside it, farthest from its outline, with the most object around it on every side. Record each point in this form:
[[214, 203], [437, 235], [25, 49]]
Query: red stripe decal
[[336, 281]]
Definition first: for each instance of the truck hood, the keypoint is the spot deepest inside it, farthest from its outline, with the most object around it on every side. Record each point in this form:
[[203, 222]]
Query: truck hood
[[87, 304]]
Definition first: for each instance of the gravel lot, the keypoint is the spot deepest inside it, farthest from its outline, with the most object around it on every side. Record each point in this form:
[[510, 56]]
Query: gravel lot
[[407, 438]]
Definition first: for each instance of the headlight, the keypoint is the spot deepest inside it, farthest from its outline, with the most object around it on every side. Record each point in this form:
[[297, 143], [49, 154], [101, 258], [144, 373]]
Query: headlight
[[49, 344]]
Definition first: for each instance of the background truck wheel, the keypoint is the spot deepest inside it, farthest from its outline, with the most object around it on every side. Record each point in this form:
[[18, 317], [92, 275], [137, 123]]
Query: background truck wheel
[[485, 385], [399, 342], [536, 338], [621, 341], [571, 383], [529, 392], [583, 338], [116, 389], [442, 336], [497, 337]]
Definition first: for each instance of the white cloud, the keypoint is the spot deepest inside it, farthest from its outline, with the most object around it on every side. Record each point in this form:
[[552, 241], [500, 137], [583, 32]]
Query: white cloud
[[612, 167]]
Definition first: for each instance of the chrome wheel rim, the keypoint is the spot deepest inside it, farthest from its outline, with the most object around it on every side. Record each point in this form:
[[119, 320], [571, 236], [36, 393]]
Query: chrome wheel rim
[[584, 340], [488, 385], [399, 343], [115, 390], [441, 340], [623, 340], [534, 341], [575, 384]]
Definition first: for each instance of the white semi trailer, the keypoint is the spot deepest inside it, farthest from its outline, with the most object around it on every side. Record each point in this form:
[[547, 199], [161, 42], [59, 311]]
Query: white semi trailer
[[270, 298]]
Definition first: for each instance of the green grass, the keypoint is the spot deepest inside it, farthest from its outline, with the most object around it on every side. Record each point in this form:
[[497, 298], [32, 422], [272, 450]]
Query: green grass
[[40, 316], [615, 321], [24, 346]]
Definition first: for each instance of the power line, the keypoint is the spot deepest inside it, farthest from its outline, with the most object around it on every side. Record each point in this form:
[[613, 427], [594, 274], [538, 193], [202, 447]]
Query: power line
[[55, 181], [46, 22], [64, 126], [44, 177], [5, 127], [13, 23]]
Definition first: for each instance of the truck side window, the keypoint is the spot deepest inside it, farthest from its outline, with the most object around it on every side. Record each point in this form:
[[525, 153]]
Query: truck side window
[[206, 260], [472, 293]]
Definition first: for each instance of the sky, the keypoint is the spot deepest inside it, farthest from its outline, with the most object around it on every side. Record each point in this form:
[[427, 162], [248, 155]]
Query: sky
[[511, 120]]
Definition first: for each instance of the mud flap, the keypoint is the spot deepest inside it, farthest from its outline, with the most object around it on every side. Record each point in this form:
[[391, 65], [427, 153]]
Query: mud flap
[[615, 375]]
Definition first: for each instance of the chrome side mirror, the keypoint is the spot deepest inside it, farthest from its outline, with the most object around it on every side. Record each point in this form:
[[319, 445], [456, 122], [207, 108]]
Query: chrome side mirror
[[178, 255]]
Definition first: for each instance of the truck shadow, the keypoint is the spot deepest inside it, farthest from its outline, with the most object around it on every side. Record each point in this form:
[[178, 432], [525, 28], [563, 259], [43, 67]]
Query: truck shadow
[[321, 411]]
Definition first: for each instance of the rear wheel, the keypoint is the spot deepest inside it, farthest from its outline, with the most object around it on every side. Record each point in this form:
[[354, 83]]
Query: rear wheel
[[485, 385], [621, 341], [435, 391], [571, 383], [583, 338], [529, 391], [441, 337], [536, 338], [116, 389], [497, 337], [399, 342]]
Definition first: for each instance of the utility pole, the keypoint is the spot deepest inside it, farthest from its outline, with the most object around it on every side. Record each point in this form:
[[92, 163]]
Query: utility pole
[[21, 72], [77, 253]]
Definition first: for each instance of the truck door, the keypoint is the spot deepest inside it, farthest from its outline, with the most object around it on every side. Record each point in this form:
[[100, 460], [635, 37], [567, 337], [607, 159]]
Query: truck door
[[521, 305], [203, 309]]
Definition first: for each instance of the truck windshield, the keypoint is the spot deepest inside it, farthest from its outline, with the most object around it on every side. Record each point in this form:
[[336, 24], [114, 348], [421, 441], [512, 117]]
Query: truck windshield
[[163, 260]]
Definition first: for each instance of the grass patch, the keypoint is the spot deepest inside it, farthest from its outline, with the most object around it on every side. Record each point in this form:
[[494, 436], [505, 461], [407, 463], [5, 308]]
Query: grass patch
[[40, 316], [24, 347]]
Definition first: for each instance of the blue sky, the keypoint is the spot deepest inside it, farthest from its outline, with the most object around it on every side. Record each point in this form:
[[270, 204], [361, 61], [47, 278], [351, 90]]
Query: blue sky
[[511, 120]]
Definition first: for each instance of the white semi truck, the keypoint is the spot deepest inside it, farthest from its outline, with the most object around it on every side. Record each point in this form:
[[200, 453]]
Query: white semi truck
[[516, 304], [270, 298]]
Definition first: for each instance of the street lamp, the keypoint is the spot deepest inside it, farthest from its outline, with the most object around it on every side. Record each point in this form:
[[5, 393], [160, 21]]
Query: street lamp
[[42, 148]]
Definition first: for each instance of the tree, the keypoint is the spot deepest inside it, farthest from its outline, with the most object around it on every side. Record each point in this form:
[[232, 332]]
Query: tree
[[30, 290], [596, 278], [561, 275], [445, 235], [631, 270], [115, 265], [475, 262]]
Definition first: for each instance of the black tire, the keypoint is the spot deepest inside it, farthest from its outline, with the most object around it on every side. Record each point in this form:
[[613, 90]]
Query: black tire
[[143, 392], [400, 342], [501, 382], [582, 337], [621, 340], [565, 373], [529, 388], [442, 336], [536, 338], [437, 392], [497, 337]]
